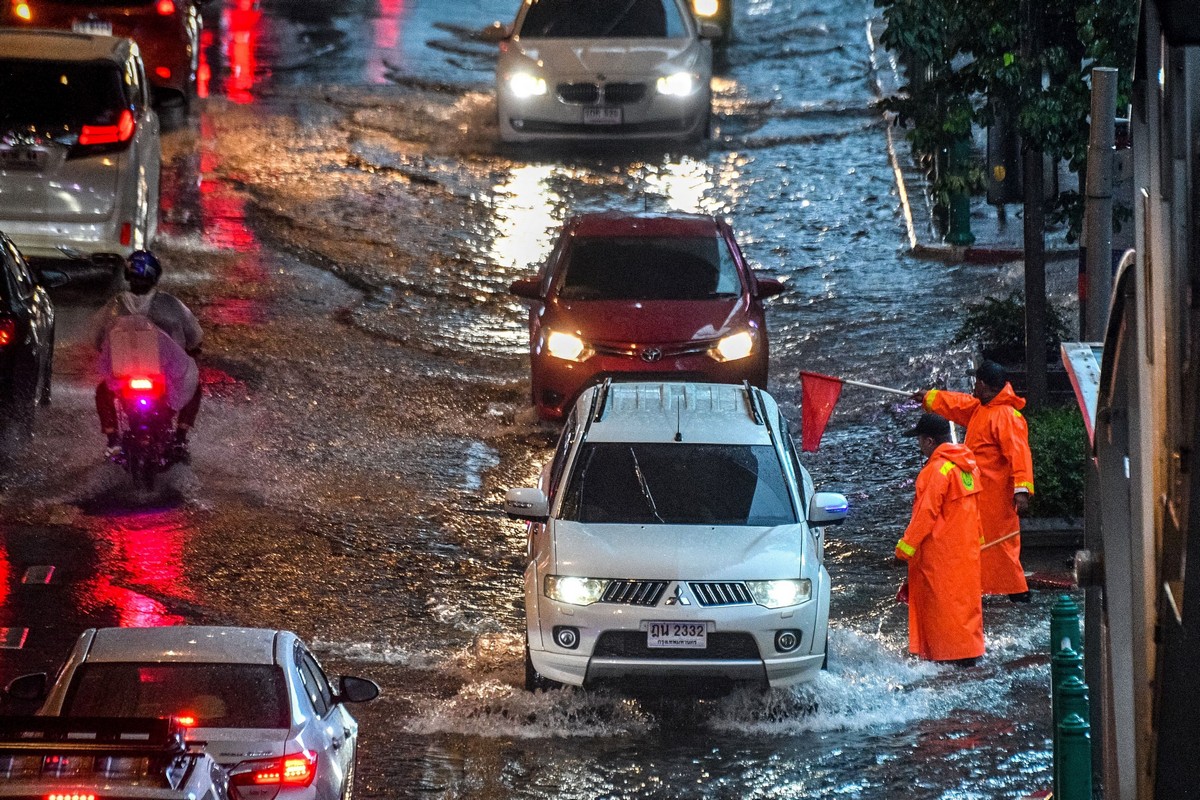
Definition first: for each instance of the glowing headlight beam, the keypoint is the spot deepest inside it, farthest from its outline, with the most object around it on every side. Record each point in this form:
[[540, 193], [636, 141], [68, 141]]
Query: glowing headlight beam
[[781, 593], [679, 84], [524, 85], [566, 346], [575, 591], [734, 347]]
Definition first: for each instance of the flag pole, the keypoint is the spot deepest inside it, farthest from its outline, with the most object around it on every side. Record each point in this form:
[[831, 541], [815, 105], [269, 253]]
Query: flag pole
[[875, 387]]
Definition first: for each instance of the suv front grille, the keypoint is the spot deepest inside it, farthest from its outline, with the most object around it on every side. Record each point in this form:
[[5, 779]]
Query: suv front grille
[[724, 593], [632, 644], [634, 593]]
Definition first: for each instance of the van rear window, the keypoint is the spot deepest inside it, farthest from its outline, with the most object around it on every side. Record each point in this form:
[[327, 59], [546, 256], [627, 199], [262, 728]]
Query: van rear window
[[58, 97]]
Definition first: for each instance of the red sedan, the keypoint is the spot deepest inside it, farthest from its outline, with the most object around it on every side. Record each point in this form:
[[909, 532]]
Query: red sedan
[[622, 295], [167, 32]]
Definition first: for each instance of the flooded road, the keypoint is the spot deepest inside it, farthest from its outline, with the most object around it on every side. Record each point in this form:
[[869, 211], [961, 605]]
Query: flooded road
[[340, 216]]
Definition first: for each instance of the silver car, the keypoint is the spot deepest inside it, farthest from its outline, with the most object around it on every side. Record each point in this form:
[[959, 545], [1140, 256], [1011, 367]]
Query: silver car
[[79, 146], [256, 697]]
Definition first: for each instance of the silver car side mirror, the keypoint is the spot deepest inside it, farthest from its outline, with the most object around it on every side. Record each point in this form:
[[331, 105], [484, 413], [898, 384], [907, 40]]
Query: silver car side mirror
[[531, 505], [827, 508]]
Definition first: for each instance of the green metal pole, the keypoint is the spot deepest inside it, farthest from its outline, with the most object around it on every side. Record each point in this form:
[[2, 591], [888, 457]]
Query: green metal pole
[[1076, 782], [1065, 665], [1064, 625], [958, 166]]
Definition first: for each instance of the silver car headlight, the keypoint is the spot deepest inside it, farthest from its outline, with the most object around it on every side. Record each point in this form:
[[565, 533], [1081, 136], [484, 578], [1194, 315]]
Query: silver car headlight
[[526, 84], [575, 591], [678, 84], [780, 594], [567, 346], [734, 347]]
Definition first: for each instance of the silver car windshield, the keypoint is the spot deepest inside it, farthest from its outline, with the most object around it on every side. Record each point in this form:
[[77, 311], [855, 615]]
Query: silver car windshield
[[603, 19], [211, 695], [649, 268], [678, 484]]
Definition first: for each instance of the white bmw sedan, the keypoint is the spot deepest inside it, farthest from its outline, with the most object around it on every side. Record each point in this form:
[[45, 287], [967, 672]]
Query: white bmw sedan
[[605, 69], [257, 698]]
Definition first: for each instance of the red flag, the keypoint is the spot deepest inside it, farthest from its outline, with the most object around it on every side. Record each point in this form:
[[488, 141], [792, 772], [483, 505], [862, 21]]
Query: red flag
[[818, 395]]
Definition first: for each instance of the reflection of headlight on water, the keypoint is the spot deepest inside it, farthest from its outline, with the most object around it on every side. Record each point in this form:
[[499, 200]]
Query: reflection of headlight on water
[[679, 84], [576, 591], [523, 85], [780, 594], [734, 347], [566, 346], [706, 8]]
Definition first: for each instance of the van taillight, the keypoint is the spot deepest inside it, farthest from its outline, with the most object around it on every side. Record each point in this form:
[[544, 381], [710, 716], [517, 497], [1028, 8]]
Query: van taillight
[[109, 134], [298, 769], [8, 331], [166, 7]]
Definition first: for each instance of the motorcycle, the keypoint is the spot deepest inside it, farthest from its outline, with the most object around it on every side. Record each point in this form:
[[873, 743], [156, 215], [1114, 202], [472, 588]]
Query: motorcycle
[[147, 425]]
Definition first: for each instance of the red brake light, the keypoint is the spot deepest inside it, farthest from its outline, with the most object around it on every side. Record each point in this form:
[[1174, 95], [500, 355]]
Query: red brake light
[[186, 720], [163, 72], [166, 7], [298, 769], [8, 331], [110, 134], [144, 385], [70, 796]]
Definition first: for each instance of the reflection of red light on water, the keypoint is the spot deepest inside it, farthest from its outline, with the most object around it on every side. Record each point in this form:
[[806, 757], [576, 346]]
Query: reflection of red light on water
[[203, 70], [5, 574], [241, 23], [143, 558], [387, 35]]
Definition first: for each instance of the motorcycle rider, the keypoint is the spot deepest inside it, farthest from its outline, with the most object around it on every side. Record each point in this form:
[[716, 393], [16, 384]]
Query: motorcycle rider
[[142, 271]]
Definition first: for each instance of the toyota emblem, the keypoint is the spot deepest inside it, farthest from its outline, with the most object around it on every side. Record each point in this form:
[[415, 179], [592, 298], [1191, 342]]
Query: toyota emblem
[[652, 355]]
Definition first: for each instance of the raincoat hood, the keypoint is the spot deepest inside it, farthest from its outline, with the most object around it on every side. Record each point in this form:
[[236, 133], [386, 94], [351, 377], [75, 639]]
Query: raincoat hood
[[958, 454], [1007, 397]]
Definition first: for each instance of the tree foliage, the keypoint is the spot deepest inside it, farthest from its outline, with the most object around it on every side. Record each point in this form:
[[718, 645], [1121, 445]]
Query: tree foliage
[[964, 64]]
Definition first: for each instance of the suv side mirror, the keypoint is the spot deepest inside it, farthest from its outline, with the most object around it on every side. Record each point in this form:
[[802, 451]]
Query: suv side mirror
[[357, 690], [827, 508], [527, 288], [531, 505], [27, 687], [768, 287], [496, 32]]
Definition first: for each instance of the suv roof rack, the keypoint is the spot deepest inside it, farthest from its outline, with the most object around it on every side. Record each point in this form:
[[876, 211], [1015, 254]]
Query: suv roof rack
[[600, 401], [759, 419]]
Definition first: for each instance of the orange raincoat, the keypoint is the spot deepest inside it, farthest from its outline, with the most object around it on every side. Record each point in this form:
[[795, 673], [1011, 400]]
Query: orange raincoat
[[999, 437], [941, 546]]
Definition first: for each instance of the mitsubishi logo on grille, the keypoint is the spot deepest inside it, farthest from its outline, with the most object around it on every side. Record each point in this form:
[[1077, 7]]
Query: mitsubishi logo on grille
[[678, 598], [652, 355]]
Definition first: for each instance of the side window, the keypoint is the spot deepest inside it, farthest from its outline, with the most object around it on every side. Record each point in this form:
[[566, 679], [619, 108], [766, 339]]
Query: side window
[[561, 451], [545, 274], [316, 682]]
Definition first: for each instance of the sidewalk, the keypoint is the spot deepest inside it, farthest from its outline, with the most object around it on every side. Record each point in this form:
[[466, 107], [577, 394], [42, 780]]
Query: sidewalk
[[997, 239]]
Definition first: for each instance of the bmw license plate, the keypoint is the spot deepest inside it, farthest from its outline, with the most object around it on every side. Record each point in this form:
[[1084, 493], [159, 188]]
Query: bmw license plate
[[677, 634], [96, 26], [603, 115], [22, 157]]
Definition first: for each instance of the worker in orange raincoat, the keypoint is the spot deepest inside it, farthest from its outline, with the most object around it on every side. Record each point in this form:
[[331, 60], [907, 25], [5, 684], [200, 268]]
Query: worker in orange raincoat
[[941, 546], [999, 437]]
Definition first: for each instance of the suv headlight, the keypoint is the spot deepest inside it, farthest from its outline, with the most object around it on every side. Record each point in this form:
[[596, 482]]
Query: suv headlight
[[780, 594], [734, 347], [525, 84], [575, 591], [567, 346], [678, 84]]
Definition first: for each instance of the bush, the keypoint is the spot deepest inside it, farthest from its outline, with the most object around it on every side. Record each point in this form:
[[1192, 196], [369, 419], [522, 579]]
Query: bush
[[1059, 444], [996, 326]]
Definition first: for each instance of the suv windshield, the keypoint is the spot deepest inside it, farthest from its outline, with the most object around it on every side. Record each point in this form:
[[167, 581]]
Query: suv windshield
[[678, 484], [214, 695], [650, 268], [601, 19], [63, 95]]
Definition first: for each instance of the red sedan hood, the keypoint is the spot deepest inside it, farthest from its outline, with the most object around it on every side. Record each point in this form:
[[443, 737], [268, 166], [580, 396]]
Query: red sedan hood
[[647, 321]]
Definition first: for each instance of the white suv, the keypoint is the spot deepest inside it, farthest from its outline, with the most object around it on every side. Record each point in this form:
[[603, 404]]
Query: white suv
[[675, 535]]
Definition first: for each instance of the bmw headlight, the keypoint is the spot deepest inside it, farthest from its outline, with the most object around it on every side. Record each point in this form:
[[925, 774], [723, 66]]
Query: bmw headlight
[[706, 8], [524, 84], [575, 591], [566, 346], [780, 594], [678, 84], [733, 347]]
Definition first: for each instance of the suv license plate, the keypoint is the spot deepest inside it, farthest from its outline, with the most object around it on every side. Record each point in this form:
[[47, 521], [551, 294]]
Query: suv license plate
[[96, 26], [602, 116], [677, 634]]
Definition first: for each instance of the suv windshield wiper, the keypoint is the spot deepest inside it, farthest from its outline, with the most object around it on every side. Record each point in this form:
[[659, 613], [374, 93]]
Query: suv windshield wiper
[[637, 470]]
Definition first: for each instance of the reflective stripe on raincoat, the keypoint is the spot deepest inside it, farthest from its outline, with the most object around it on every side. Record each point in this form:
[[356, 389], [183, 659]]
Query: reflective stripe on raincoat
[[999, 437], [941, 546]]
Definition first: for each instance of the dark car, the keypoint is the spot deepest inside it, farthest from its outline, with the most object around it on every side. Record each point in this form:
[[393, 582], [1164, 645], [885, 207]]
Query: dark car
[[623, 295], [26, 339], [166, 31]]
